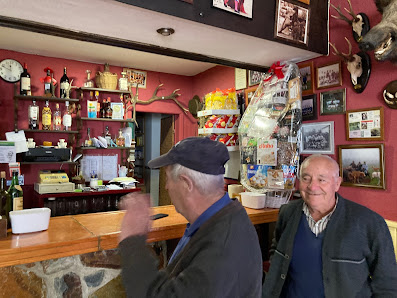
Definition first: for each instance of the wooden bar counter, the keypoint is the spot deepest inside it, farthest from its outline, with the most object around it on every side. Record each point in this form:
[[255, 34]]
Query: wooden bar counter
[[84, 233]]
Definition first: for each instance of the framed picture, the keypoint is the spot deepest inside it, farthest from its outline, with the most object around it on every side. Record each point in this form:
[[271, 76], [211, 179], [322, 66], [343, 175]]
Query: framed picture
[[307, 73], [248, 94], [254, 77], [317, 138], [362, 165], [241, 8], [117, 110], [136, 77], [309, 107], [329, 75], [333, 102], [292, 22], [365, 125]]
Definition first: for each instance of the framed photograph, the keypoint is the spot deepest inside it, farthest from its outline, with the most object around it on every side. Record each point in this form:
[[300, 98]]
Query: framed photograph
[[248, 94], [117, 110], [317, 138], [362, 165], [365, 125], [136, 77], [309, 107], [254, 77], [241, 8], [307, 73], [292, 22], [329, 75], [333, 102]]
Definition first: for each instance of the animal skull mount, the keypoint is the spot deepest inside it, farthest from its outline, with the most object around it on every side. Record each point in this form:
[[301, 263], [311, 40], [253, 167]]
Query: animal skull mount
[[359, 66], [390, 94], [382, 38], [359, 22]]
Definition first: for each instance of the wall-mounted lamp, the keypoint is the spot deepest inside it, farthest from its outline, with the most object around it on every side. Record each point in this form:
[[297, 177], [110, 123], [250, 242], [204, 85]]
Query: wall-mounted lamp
[[166, 31]]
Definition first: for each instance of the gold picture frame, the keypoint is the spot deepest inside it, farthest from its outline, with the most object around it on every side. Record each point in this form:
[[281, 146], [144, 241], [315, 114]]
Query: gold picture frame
[[329, 75], [365, 125], [306, 70]]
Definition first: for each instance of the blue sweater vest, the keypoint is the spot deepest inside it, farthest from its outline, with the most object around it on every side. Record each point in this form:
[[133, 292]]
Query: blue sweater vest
[[305, 278]]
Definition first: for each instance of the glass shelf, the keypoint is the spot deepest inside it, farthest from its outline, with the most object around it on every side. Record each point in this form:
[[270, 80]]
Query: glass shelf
[[44, 98]]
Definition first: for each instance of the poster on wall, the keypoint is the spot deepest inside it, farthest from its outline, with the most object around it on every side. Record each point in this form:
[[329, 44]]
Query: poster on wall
[[240, 7], [136, 77]]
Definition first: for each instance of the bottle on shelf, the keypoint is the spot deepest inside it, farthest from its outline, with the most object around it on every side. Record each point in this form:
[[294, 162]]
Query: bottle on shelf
[[5, 198], [48, 86], [123, 82], [109, 110], [107, 136], [25, 81], [33, 115], [46, 116], [67, 117], [88, 82], [57, 118], [98, 105], [16, 193], [88, 141], [120, 140], [103, 109], [64, 84], [91, 107]]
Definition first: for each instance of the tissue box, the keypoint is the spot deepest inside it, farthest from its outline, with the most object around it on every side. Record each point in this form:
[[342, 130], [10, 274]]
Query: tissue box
[[30, 220], [253, 200]]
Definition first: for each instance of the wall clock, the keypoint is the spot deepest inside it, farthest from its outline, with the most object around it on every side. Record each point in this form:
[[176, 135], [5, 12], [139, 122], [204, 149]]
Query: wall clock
[[10, 70]]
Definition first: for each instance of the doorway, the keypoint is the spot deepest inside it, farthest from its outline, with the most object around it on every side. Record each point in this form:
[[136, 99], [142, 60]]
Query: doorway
[[167, 140]]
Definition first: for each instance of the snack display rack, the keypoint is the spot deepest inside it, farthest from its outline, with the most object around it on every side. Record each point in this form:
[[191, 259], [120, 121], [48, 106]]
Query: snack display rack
[[269, 135]]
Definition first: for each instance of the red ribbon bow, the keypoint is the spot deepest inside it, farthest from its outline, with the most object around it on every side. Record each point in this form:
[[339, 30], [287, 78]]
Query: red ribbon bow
[[275, 69]]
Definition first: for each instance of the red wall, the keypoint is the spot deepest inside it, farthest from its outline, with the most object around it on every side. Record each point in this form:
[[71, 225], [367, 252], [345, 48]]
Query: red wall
[[383, 202]]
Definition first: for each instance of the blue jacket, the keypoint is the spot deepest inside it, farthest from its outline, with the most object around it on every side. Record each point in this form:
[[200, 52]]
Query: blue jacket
[[358, 257]]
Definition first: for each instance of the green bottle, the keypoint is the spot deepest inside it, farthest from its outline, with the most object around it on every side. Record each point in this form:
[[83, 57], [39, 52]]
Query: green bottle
[[5, 199], [16, 193]]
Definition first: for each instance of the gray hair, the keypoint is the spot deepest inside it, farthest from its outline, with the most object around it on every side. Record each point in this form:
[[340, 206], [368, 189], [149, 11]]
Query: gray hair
[[307, 160], [206, 184]]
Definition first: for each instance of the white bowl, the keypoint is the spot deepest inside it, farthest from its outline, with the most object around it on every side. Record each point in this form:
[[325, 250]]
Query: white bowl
[[30, 220], [253, 200]]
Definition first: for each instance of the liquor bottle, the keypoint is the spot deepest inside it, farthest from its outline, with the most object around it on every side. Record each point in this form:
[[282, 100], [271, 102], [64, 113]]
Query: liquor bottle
[[16, 193], [123, 82], [5, 199], [64, 85], [33, 115], [57, 118], [91, 107], [98, 104], [88, 141], [67, 118], [25, 81], [88, 82], [48, 83], [109, 111], [46, 116], [120, 140], [107, 136], [103, 109]]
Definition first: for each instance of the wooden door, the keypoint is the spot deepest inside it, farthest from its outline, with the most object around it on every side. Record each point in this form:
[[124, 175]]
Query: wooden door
[[167, 140]]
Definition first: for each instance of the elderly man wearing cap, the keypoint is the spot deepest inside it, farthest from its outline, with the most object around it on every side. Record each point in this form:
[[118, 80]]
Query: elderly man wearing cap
[[219, 253]]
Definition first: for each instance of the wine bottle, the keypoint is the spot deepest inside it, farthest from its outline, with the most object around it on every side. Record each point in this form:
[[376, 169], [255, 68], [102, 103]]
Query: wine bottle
[[67, 118], [25, 81], [57, 119], [33, 115], [46, 116], [109, 110], [64, 85], [5, 198], [16, 193], [48, 84]]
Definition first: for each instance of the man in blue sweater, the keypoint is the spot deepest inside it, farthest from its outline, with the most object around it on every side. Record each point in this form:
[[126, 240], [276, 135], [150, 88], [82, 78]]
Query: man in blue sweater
[[327, 246]]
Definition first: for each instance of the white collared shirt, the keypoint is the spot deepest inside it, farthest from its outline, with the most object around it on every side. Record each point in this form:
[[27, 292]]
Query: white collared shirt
[[319, 226]]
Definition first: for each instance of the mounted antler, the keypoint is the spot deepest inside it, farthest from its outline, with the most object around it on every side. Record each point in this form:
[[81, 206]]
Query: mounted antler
[[354, 65], [356, 22], [134, 100]]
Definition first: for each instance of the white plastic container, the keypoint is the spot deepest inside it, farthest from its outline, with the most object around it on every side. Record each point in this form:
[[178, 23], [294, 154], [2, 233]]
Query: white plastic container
[[30, 220], [253, 200]]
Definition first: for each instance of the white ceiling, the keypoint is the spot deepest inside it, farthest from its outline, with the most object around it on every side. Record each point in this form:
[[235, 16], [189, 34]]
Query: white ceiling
[[118, 20]]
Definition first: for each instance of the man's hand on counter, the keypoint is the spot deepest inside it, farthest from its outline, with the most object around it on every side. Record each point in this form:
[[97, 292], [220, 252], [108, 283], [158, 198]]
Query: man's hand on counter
[[137, 218]]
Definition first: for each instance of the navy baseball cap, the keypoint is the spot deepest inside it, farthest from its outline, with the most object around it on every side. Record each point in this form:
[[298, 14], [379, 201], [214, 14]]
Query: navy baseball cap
[[196, 153]]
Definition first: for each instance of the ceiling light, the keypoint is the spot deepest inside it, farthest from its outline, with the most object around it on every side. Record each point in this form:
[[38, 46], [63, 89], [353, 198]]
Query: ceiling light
[[166, 31]]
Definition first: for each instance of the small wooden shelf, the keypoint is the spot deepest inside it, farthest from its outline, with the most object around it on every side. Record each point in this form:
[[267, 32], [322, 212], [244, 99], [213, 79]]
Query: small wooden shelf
[[50, 131], [44, 98], [103, 90], [106, 119]]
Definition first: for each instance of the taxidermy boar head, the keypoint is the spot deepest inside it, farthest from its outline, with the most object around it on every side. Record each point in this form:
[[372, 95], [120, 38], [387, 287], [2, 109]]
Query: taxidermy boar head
[[382, 37]]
